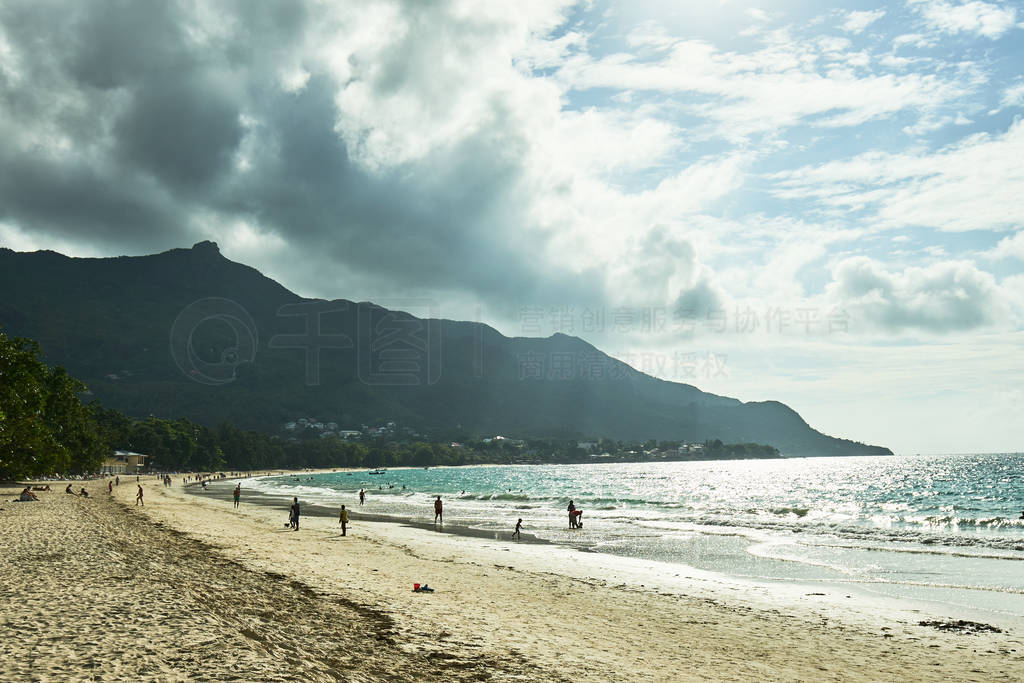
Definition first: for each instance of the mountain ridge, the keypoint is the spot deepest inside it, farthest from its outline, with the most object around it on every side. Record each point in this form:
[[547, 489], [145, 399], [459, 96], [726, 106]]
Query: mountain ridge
[[190, 333]]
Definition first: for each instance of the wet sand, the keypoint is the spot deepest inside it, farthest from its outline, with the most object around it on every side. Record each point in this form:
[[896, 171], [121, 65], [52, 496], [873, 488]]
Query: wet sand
[[189, 588]]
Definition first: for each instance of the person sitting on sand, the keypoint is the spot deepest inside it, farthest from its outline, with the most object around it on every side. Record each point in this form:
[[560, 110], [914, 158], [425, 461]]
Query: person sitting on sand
[[68, 490], [83, 493], [27, 495]]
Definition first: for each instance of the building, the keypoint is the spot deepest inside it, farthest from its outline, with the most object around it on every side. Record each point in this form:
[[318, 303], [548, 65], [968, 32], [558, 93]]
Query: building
[[124, 462]]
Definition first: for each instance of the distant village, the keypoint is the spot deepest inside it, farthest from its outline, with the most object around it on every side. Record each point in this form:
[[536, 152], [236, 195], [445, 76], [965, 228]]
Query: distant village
[[529, 451], [304, 427]]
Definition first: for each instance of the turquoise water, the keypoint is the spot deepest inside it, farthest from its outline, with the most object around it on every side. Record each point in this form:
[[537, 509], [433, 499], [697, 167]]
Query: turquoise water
[[944, 529]]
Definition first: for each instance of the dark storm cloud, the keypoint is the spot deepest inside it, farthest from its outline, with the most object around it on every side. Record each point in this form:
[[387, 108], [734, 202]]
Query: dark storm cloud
[[185, 132], [135, 118]]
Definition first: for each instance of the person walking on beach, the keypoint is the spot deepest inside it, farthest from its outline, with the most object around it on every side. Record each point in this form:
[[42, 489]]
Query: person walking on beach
[[295, 514], [438, 517], [237, 493], [110, 487], [138, 497], [117, 481], [343, 519], [362, 496], [519, 525]]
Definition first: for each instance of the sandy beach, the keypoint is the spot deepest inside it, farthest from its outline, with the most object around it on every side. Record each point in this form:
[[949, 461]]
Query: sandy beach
[[188, 588]]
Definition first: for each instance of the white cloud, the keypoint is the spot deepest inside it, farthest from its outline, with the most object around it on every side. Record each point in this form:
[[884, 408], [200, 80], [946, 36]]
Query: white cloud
[[948, 296], [973, 185], [913, 39], [1013, 96], [1011, 247], [857, 21], [983, 18], [784, 84]]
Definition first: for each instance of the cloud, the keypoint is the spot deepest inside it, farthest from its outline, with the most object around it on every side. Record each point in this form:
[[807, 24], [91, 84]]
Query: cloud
[[986, 19], [951, 296], [857, 21], [1013, 96], [786, 83], [383, 147], [1011, 247], [970, 185]]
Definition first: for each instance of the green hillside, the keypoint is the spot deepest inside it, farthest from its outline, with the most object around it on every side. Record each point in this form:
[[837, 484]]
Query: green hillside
[[189, 333]]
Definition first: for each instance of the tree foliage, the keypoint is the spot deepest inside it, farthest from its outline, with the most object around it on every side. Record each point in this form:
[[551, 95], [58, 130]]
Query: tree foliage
[[44, 428]]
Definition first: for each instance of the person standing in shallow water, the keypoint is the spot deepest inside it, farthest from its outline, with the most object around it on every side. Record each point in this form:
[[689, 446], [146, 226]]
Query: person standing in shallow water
[[572, 515], [519, 525], [362, 496], [438, 507]]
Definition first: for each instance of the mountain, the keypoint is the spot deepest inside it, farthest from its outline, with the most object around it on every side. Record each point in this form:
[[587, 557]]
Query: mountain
[[189, 333]]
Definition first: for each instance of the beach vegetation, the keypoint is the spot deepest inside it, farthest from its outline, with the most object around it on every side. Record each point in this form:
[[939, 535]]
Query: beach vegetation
[[44, 426]]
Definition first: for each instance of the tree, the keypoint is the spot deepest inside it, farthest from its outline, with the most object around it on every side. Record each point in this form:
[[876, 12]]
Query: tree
[[44, 428]]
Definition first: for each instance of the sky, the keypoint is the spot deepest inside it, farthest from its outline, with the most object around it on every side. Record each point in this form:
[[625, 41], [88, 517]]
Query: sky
[[806, 201]]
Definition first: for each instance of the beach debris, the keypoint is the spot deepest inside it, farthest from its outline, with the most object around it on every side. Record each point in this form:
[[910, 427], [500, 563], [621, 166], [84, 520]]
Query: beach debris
[[416, 588], [961, 626]]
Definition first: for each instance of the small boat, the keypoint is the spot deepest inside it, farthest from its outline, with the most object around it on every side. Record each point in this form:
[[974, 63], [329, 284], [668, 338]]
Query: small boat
[[377, 471]]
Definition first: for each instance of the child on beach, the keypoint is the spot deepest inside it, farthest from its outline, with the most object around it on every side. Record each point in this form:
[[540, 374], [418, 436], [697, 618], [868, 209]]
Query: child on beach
[[519, 525], [138, 497]]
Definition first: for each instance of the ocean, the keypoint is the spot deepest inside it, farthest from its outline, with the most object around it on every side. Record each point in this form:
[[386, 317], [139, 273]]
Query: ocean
[[942, 530]]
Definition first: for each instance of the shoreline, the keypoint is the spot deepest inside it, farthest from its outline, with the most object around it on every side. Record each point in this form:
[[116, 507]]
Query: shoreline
[[896, 600], [211, 592]]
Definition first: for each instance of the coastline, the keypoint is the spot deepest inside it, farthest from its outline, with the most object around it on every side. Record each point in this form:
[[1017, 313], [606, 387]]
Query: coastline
[[333, 607]]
